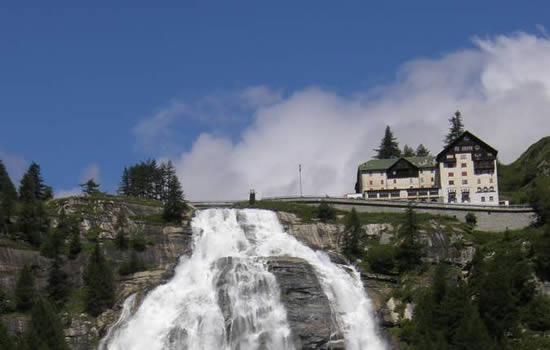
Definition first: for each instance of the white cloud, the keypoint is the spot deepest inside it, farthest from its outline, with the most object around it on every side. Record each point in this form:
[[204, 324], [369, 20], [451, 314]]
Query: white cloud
[[260, 96], [150, 130], [90, 172], [15, 164], [75, 191], [502, 87]]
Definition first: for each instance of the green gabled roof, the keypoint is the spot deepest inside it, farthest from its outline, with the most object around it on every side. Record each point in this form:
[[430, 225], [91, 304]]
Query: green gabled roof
[[423, 162], [384, 164]]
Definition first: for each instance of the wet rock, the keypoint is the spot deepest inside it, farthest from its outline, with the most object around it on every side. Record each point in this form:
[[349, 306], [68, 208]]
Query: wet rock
[[308, 310]]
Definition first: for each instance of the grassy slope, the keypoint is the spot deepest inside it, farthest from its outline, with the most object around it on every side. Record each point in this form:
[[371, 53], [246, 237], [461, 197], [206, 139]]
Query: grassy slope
[[516, 178]]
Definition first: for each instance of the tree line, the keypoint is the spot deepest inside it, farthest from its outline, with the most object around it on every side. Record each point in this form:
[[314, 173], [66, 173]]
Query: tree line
[[389, 147]]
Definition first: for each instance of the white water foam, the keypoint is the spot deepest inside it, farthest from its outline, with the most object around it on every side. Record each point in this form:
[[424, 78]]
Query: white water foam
[[185, 312]]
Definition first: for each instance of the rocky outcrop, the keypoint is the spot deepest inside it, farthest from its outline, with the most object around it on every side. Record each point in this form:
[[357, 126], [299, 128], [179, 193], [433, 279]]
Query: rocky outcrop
[[307, 306]]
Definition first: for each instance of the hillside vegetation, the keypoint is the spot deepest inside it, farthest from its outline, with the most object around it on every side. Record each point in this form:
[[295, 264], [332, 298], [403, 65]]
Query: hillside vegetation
[[533, 166]]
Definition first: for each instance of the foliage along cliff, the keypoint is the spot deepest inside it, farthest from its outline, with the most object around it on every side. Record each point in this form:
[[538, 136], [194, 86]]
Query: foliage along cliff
[[518, 178]]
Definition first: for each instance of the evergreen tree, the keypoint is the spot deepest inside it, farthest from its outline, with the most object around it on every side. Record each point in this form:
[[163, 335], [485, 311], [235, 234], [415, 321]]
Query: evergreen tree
[[124, 188], [325, 212], [6, 342], [90, 187], [389, 148], [24, 289], [352, 235], [54, 244], [422, 151], [120, 240], [58, 283], [75, 247], [139, 243], [455, 129], [408, 151], [131, 266], [472, 333], [100, 287], [33, 221], [48, 193], [174, 206], [32, 186], [8, 197], [44, 330], [409, 251]]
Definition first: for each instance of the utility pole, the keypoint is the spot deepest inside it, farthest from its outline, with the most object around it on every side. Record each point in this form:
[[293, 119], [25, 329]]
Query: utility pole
[[300, 172]]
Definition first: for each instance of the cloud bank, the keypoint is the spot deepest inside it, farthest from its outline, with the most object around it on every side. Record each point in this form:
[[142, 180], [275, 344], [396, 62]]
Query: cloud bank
[[501, 86], [91, 171]]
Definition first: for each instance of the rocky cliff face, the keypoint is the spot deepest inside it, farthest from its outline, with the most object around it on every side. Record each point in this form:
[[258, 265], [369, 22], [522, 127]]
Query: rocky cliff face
[[165, 244], [307, 307]]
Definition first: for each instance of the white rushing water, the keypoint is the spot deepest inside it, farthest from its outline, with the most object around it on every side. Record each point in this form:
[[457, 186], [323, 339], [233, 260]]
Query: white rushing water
[[185, 313]]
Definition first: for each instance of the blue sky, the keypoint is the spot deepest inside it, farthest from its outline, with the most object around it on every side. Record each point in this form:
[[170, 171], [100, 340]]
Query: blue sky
[[75, 83]]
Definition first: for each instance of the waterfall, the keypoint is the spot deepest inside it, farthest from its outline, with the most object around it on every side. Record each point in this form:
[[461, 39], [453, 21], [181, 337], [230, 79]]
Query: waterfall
[[224, 297]]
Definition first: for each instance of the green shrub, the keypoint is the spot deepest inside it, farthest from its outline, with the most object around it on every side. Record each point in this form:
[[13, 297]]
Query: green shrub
[[381, 258], [134, 264], [325, 212]]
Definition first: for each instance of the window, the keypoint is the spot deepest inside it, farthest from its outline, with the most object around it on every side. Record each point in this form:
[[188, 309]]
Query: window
[[432, 179], [465, 196], [421, 179], [479, 181], [463, 165], [451, 174], [491, 189], [410, 180], [491, 180], [450, 156], [485, 189], [382, 182], [467, 148], [457, 148], [463, 156], [394, 181], [464, 182], [451, 182], [479, 189], [482, 199], [490, 198], [476, 147], [370, 182], [489, 154], [464, 173]]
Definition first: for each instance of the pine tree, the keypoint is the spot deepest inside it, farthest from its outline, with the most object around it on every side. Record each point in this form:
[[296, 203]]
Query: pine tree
[[75, 247], [58, 283], [33, 221], [422, 151], [24, 289], [44, 330], [472, 333], [32, 185], [100, 287], [409, 251], [6, 342], [124, 188], [8, 197], [54, 244], [120, 240], [455, 129], [325, 212], [352, 235], [389, 148], [175, 204], [90, 187], [408, 151]]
